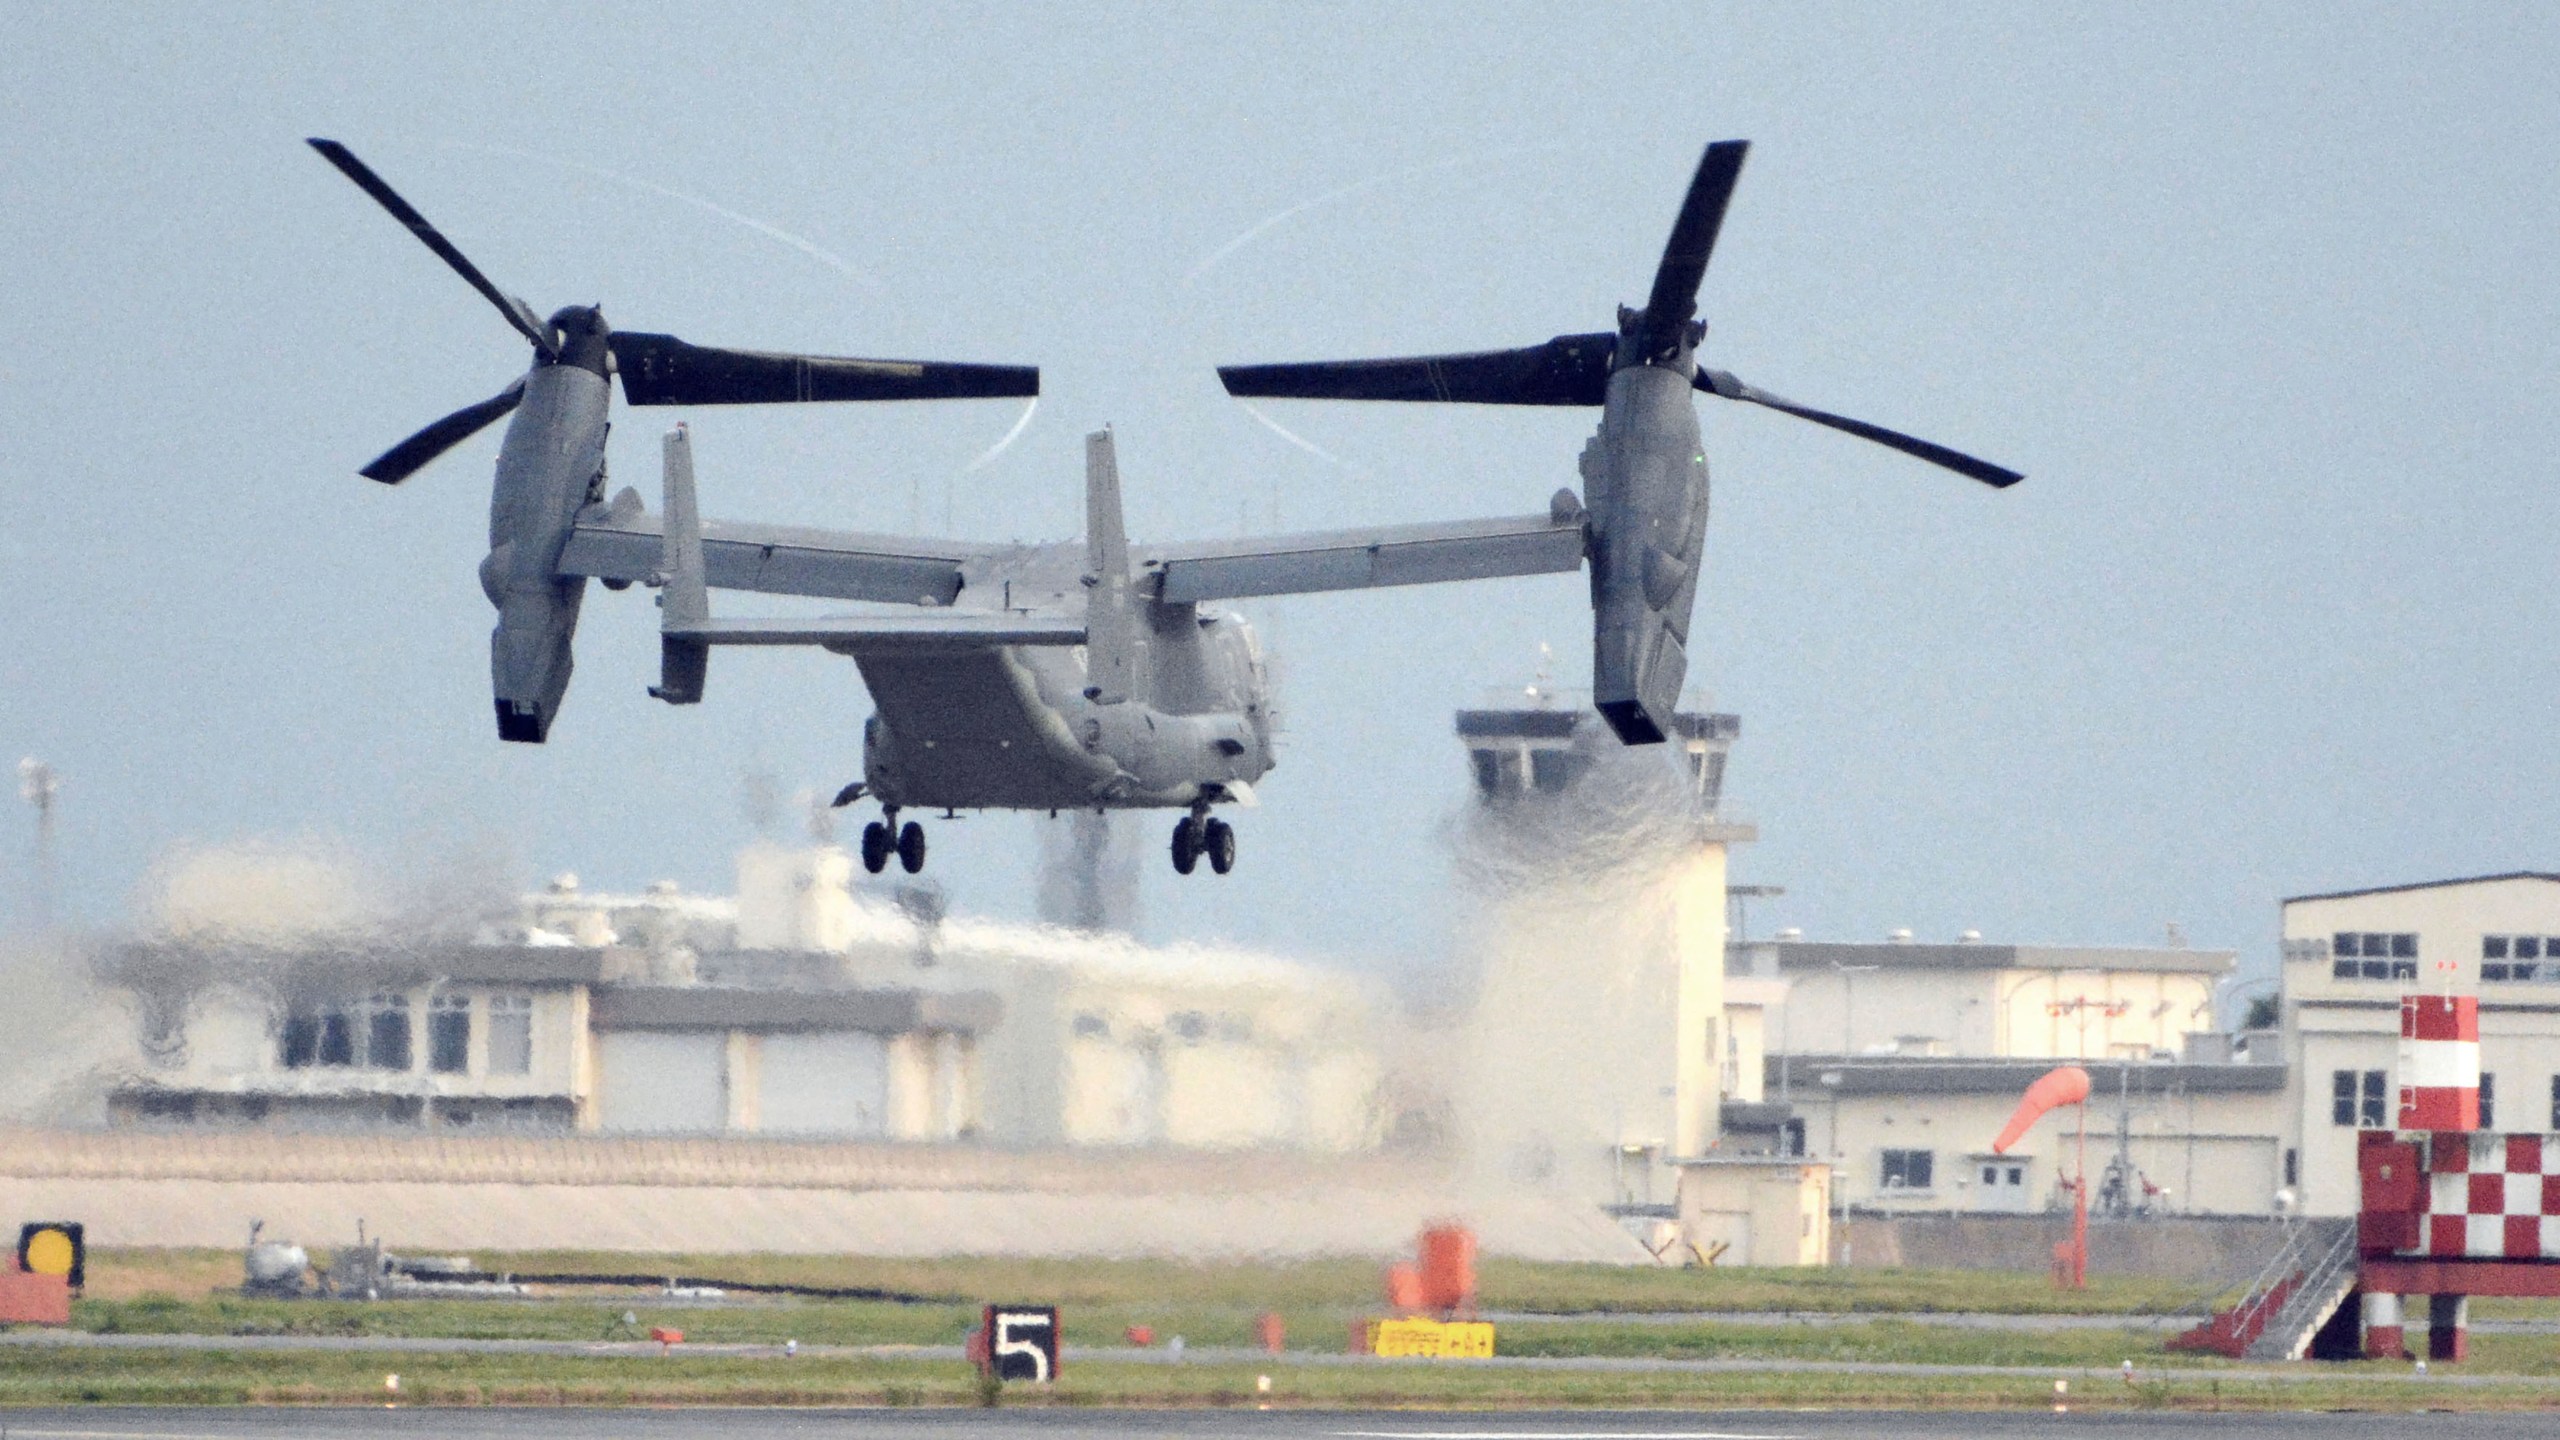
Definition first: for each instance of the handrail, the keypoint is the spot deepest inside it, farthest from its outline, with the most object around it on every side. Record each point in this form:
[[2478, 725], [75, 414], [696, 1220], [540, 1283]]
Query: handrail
[[2274, 1269], [2317, 1277], [2297, 1269]]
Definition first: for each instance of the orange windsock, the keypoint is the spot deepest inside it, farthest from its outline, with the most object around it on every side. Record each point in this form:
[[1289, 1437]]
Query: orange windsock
[[2068, 1085]]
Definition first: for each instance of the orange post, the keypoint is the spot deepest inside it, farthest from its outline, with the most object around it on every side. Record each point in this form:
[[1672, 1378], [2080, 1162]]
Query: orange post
[[1449, 1268], [1404, 1287]]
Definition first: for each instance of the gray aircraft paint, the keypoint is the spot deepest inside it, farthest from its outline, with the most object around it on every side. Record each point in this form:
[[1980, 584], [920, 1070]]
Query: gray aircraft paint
[[1076, 676], [1644, 472]]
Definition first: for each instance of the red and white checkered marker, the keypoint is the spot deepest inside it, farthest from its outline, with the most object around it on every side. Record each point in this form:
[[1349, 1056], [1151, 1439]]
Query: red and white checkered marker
[[2492, 1197], [2439, 1062]]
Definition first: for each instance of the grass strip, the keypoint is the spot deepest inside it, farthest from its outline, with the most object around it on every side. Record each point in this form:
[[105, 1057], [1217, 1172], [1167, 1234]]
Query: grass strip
[[60, 1377]]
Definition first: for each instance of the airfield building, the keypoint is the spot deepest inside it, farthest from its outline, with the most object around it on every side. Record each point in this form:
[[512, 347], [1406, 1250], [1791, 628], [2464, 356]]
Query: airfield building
[[2349, 957], [798, 1009], [1899, 1061]]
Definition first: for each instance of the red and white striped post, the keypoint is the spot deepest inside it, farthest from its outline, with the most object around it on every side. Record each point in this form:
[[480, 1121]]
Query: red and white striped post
[[2439, 1079], [2439, 1062]]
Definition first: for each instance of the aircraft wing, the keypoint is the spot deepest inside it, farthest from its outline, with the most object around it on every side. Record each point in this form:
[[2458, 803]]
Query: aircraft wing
[[955, 630], [624, 542], [1365, 559]]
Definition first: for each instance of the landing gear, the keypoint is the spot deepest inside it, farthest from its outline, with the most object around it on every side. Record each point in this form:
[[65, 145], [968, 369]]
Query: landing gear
[[1195, 835], [885, 837]]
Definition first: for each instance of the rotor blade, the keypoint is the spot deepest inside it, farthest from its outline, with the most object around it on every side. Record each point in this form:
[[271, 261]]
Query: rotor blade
[[1568, 370], [1720, 382], [1674, 300], [663, 370], [411, 455], [518, 314]]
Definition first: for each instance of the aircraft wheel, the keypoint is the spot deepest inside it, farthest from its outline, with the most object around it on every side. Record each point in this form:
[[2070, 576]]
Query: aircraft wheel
[[911, 847], [1186, 845], [875, 847], [1221, 846]]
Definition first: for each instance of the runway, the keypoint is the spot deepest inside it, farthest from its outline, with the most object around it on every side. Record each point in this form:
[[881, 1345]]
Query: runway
[[711, 1424]]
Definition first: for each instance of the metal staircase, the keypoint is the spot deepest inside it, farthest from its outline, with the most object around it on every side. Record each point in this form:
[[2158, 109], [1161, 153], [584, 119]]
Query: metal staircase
[[2324, 1283], [2287, 1301]]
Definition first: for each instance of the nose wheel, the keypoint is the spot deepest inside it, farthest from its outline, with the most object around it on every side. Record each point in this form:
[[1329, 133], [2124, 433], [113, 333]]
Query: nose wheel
[[882, 839], [1195, 836]]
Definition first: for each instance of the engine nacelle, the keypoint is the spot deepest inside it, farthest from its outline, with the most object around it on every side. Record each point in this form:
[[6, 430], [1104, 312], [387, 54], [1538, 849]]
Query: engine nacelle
[[550, 466], [1646, 475]]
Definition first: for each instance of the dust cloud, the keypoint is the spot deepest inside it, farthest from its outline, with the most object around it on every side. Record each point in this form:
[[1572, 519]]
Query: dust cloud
[[1565, 986], [1089, 872]]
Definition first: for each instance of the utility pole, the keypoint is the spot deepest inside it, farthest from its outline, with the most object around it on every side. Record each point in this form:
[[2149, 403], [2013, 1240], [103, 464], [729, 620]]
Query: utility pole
[[37, 785]]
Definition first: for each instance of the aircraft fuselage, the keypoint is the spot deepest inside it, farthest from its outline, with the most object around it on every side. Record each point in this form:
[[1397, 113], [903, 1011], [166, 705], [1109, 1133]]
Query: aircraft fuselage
[[1012, 727]]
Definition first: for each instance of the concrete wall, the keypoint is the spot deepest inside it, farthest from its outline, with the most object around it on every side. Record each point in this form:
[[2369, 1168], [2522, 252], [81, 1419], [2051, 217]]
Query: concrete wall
[[2206, 1251], [738, 1196]]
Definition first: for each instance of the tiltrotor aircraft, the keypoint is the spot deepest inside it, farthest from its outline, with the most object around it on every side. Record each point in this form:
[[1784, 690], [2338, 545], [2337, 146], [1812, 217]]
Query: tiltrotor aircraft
[[1094, 674]]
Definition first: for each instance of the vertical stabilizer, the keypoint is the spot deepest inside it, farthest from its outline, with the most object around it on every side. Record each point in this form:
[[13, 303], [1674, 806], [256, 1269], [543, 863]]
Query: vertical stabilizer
[[684, 661], [1110, 607]]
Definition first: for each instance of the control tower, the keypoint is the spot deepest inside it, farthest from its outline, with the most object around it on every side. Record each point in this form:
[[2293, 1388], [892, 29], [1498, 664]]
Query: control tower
[[1597, 1040]]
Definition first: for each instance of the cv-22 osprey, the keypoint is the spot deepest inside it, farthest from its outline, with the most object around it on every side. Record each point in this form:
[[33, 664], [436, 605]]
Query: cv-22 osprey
[[1099, 674]]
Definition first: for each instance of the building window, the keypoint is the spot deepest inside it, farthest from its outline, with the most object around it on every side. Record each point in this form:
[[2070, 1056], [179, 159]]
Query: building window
[[2371, 955], [2293, 1158], [317, 1035], [2555, 1102], [1908, 1169], [2517, 959], [510, 1034], [2488, 1101], [2355, 1098], [386, 1032], [373, 1034], [449, 1034], [302, 1048], [1550, 770], [337, 1038]]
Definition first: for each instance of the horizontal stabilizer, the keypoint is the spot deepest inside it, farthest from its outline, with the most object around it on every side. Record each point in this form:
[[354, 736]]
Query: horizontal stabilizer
[[962, 631], [1568, 370], [1369, 559]]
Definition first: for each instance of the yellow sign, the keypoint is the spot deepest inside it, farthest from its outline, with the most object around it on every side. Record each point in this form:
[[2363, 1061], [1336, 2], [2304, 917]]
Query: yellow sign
[[52, 1249], [1432, 1339]]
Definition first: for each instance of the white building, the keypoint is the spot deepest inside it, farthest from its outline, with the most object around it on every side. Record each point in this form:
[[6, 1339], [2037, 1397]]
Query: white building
[[1898, 1062], [799, 1009], [2348, 958]]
